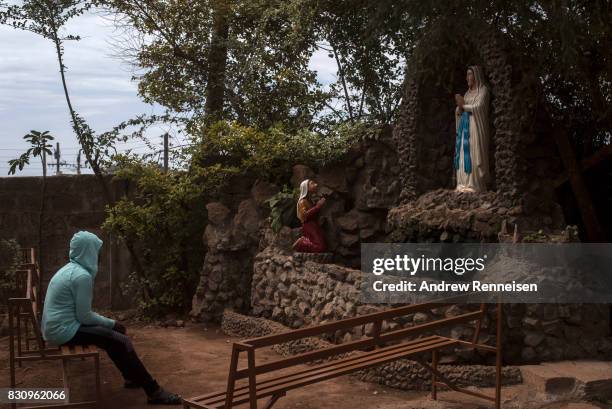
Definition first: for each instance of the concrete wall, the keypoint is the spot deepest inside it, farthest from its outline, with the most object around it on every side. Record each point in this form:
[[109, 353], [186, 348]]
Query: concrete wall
[[73, 203]]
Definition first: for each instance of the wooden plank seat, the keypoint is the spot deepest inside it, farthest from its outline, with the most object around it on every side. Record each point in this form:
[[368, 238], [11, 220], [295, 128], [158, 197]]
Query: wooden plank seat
[[415, 342], [24, 315], [79, 350]]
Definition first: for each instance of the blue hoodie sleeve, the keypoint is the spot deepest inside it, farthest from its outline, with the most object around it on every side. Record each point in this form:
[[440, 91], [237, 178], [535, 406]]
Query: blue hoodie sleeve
[[83, 290]]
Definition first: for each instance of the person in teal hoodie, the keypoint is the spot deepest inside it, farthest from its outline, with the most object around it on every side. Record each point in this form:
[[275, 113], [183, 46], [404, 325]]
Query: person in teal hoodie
[[68, 318]]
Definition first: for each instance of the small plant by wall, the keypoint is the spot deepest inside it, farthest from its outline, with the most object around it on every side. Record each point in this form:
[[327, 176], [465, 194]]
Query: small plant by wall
[[9, 260]]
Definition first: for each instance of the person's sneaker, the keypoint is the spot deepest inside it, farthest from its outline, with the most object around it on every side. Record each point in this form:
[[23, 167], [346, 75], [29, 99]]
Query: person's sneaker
[[163, 397]]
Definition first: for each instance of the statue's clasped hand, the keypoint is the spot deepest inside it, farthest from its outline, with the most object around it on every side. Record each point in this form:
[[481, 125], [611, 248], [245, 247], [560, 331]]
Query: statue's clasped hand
[[459, 100]]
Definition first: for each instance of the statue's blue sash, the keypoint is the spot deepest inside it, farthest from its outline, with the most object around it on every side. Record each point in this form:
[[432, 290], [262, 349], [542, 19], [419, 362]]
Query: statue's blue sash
[[464, 129]]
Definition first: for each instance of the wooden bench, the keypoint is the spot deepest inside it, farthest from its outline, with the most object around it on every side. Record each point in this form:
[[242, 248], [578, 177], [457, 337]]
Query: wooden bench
[[375, 349], [24, 314]]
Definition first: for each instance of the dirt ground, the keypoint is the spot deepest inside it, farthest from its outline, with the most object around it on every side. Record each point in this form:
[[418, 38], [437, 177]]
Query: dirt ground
[[194, 360]]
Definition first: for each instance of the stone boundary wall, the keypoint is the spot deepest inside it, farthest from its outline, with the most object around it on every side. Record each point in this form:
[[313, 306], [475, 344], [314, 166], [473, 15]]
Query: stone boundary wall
[[301, 293], [401, 374]]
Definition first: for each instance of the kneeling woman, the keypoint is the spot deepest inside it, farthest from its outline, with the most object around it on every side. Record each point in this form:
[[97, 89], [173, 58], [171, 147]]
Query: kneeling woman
[[313, 240], [68, 318]]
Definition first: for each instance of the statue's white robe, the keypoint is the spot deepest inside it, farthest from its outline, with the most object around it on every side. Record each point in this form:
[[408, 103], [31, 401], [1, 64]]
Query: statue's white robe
[[476, 102]]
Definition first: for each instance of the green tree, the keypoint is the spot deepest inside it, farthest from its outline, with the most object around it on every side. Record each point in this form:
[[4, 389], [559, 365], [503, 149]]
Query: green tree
[[246, 61]]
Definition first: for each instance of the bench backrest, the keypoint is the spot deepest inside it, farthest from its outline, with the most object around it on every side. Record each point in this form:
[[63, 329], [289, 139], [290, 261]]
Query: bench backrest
[[28, 306]]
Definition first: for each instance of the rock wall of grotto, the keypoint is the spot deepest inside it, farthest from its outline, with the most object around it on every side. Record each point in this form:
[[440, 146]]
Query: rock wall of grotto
[[360, 190], [524, 159]]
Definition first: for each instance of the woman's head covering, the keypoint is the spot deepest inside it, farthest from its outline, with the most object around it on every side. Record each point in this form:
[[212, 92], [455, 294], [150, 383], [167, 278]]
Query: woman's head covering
[[478, 75], [303, 193]]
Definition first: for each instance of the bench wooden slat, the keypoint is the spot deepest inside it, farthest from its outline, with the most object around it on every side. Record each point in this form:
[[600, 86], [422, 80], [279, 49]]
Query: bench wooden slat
[[320, 369], [350, 369], [341, 368], [77, 350]]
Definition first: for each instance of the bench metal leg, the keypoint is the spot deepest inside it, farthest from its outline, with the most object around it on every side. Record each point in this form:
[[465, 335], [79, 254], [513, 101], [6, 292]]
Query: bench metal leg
[[65, 378], [19, 336], [498, 356], [27, 334], [11, 310], [434, 380], [445, 381], [231, 378], [252, 384], [97, 371], [273, 400]]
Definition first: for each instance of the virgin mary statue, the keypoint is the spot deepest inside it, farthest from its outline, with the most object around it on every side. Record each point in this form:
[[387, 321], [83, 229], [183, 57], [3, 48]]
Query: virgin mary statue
[[471, 161]]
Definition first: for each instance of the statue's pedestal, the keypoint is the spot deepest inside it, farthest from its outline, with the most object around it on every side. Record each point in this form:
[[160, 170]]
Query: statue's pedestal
[[321, 258], [446, 215], [450, 216]]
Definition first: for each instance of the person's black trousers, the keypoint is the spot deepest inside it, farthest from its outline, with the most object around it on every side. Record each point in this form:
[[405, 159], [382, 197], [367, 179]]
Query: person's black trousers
[[120, 350]]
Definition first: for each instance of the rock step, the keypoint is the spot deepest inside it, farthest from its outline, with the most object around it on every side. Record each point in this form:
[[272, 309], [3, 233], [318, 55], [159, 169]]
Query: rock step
[[582, 380], [322, 258]]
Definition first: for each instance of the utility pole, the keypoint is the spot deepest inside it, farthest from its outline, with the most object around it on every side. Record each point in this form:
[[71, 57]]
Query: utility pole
[[166, 152], [57, 156]]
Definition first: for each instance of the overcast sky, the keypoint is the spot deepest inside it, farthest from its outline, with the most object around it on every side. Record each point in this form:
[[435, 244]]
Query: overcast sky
[[31, 96]]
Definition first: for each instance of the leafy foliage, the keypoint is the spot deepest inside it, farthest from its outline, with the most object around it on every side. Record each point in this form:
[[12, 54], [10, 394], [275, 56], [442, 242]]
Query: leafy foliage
[[282, 209], [164, 216], [264, 58], [228, 149]]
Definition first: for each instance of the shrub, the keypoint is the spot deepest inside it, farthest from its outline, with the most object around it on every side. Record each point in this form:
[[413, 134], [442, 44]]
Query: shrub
[[164, 217], [228, 149]]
